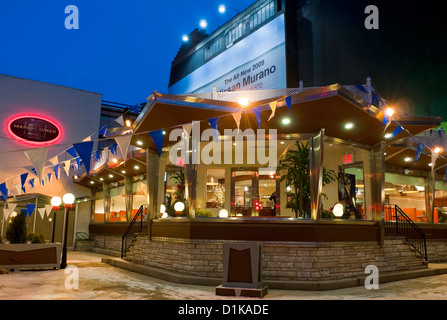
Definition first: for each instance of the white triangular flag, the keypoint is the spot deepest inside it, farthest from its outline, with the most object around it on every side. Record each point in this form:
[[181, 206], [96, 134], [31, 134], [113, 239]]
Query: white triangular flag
[[41, 212], [237, 117], [187, 129], [120, 120], [12, 206], [6, 213], [89, 138], [54, 161], [273, 107], [67, 167], [48, 208], [123, 143], [38, 157]]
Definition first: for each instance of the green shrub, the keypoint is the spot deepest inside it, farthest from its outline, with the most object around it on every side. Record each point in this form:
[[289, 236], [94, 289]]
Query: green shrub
[[35, 237], [16, 232], [203, 213]]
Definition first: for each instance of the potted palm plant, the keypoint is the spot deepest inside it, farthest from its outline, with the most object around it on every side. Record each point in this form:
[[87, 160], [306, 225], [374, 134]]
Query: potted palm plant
[[295, 171]]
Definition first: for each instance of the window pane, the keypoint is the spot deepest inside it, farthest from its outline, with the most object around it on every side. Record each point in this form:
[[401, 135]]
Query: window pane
[[243, 193], [215, 188]]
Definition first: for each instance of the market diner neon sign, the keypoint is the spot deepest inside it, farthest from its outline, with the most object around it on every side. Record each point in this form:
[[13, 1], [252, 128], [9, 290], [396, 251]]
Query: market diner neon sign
[[34, 130]]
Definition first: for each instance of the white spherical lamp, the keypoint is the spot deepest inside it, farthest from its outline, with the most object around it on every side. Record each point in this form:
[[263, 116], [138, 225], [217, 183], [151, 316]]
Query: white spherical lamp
[[68, 198], [56, 201], [338, 210], [179, 206], [223, 213], [162, 208]]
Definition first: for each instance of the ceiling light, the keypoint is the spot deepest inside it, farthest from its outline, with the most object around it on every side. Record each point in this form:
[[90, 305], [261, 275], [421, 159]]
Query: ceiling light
[[243, 101], [407, 159], [92, 182], [437, 150], [102, 179], [115, 160], [110, 175], [389, 112], [123, 171], [349, 125], [388, 135], [185, 38], [139, 142], [136, 167], [286, 121], [128, 123]]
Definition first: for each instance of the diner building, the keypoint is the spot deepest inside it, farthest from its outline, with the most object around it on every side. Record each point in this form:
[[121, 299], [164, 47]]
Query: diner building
[[168, 208]]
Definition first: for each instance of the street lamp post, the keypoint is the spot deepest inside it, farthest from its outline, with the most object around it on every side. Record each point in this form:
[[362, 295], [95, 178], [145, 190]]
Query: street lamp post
[[68, 201], [55, 202]]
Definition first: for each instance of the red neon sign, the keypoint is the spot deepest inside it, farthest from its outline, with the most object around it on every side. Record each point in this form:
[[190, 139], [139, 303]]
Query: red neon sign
[[348, 158], [36, 130]]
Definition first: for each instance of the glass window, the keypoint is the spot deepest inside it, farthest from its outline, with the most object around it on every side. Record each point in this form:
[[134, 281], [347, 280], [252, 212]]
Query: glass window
[[117, 204], [267, 193], [215, 188], [99, 213], [408, 193], [139, 196], [243, 193]]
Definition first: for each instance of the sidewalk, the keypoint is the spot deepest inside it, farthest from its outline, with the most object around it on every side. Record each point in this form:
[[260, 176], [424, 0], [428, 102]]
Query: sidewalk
[[101, 281]]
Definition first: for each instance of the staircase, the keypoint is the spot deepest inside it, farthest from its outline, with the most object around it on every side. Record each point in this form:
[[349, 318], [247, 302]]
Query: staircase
[[397, 223], [130, 235]]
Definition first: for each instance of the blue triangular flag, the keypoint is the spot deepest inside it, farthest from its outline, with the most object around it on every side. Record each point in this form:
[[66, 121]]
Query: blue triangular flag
[[158, 137], [56, 171], [113, 148], [257, 112], [49, 177], [288, 101], [23, 180], [102, 131], [33, 170], [4, 191], [396, 131], [418, 152], [98, 154], [375, 98], [30, 208], [84, 149], [72, 152], [31, 183], [214, 123], [360, 87], [385, 119]]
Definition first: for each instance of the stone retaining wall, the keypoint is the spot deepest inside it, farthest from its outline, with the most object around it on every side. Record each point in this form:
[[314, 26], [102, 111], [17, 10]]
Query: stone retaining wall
[[281, 261]]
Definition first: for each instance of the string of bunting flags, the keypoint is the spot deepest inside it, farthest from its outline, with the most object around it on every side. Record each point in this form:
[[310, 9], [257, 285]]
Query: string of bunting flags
[[82, 153]]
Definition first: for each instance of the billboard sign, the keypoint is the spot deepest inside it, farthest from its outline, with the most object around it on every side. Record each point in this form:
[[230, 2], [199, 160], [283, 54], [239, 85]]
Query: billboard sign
[[254, 63]]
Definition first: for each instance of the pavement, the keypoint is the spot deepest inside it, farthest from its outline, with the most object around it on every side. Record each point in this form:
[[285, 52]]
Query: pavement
[[88, 278]]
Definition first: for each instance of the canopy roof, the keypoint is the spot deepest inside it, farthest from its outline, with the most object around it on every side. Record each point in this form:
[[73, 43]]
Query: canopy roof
[[330, 107]]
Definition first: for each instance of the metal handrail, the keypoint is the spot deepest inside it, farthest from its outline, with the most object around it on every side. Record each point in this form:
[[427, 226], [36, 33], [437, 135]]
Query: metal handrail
[[398, 223], [124, 246]]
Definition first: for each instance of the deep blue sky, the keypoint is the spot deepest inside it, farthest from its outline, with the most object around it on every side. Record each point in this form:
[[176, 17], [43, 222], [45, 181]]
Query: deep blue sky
[[123, 49]]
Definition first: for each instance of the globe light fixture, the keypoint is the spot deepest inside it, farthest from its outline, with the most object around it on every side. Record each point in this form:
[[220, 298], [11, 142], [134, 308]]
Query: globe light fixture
[[162, 208], [222, 8], [68, 199], [338, 210], [185, 38], [389, 112], [56, 202], [203, 24], [223, 213], [244, 102], [179, 206]]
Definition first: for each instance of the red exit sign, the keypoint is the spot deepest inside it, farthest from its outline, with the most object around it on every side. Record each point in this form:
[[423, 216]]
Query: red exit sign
[[348, 158]]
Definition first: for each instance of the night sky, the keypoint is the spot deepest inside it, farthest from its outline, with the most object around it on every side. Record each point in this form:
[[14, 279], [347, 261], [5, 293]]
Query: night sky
[[122, 49]]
